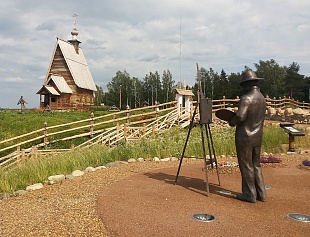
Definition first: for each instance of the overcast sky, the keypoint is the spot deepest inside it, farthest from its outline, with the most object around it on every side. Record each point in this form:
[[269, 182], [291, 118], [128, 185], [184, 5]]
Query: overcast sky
[[140, 36]]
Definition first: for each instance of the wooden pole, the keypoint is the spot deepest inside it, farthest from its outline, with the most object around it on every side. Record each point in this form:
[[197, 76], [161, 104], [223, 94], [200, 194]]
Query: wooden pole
[[18, 153], [120, 97], [156, 110], [127, 114], [92, 121], [291, 144], [117, 130], [224, 105], [45, 140], [125, 131], [144, 128]]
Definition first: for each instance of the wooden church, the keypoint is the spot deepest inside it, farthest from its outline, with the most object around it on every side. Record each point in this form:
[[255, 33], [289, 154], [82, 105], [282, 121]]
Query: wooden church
[[68, 83]]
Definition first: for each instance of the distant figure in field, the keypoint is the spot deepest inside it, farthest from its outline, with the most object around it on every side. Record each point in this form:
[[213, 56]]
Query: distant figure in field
[[22, 103]]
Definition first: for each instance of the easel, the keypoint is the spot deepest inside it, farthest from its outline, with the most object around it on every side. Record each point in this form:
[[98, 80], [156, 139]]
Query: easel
[[205, 109]]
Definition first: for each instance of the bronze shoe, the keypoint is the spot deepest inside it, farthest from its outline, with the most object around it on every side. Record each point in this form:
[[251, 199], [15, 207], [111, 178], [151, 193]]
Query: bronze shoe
[[245, 199]]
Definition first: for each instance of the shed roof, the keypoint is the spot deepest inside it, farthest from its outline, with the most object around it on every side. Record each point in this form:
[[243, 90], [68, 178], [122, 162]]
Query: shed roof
[[184, 92], [60, 83], [77, 65], [46, 89]]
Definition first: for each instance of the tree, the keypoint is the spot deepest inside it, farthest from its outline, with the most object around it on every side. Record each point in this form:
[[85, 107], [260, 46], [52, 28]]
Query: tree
[[215, 84], [119, 89], [296, 85], [273, 85], [206, 82], [99, 96], [234, 86], [167, 86], [222, 88], [151, 87], [137, 89], [307, 88]]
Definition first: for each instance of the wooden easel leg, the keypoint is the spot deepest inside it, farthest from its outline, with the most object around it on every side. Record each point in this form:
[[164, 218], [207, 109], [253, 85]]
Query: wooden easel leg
[[211, 150], [205, 159], [184, 148], [209, 134]]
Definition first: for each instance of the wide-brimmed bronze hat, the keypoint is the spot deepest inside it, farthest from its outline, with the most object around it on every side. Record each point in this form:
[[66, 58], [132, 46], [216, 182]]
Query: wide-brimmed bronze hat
[[249, 76]]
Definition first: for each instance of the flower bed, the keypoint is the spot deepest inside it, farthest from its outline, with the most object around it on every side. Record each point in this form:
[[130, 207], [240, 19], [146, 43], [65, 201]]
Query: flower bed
[[306, 162], [270, 159], [305, 165]]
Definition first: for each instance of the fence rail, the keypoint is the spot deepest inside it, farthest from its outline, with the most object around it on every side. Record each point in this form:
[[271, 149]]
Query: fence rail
[[110, 128], [127, 125], [270, 102]]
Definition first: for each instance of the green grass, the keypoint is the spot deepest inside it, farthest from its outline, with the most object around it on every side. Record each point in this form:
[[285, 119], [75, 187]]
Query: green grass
[[167, 144], [14, 123]]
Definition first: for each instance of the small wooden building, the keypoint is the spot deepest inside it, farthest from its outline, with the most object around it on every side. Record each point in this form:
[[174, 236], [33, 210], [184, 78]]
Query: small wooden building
[[184, 98], [68, 83]]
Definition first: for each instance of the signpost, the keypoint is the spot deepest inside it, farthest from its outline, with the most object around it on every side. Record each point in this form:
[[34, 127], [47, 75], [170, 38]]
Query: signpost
[[292, 132]]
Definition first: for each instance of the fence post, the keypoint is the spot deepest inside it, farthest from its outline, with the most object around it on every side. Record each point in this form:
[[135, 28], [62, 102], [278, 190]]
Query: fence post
[[92, 121], [34, 151], [117, 131], [127, 114], [18, 153], [144, 128], [153, 129], [45, 140], [224, 104], [125, 131], [114, 117], [156, 109], [191, 111]]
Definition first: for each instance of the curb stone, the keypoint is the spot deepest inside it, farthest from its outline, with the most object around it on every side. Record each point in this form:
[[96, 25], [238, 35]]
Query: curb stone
[[77, 173], [59, 178], [34, 187]]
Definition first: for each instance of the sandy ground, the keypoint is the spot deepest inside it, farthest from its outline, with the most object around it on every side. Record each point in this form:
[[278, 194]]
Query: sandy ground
[[149, 204], [140, 199]]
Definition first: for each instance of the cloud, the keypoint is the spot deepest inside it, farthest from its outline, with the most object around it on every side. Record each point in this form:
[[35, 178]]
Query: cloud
[[49, 26], [303, 28], [12, 79], [149, 35]]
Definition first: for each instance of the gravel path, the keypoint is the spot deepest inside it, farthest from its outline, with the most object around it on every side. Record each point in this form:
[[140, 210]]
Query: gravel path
[[67, 209], [104, 203]]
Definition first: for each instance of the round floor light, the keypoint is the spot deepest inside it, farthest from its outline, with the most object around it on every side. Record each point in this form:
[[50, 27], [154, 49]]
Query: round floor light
[[204, 217], [299, 217], [267, 187]]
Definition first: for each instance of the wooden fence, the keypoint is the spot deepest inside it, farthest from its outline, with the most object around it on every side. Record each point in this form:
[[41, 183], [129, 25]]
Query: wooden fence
[[107, 129], [127, 125], [273, 103]]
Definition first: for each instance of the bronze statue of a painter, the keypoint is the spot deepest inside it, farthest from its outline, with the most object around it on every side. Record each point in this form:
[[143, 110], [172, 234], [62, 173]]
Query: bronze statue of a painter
[[249, 120]]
